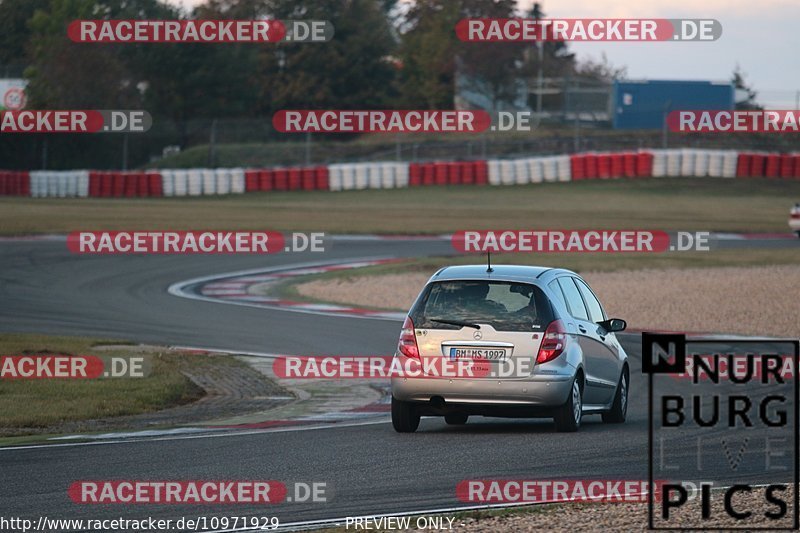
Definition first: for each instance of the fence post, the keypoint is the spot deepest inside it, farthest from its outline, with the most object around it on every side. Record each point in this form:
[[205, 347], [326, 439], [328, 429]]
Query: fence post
[[212, 149]]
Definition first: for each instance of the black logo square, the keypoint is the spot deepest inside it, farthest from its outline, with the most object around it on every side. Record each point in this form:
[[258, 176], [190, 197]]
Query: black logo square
[[663, 353]]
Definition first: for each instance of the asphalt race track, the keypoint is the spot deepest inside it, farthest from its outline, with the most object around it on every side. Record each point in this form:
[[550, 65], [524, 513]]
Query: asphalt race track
[[368, 468]]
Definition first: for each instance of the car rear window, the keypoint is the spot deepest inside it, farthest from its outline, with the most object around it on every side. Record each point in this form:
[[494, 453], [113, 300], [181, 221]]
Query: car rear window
[[506, 306]]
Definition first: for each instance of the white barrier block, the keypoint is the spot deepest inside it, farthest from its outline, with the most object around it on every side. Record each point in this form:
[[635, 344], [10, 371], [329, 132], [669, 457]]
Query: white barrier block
[[564, 168], [730, 159], [494, 172], [181, 182], [673, 162], [38, 184], [72, 183], [701, 163], [56, 186], [715, 162], [659, 169], [48, 186], [688, 156], [550, 168], [507, 172], [167, 181], [361, 175], [223, 180], [64, 180], [43, 179], [237, 180], [388, 175], [374, 173], [335, 177], [82, 183], [522, 174], [209, 181], [348, 177], [535, 169], [401, 174], [195, 182], [348, 171]]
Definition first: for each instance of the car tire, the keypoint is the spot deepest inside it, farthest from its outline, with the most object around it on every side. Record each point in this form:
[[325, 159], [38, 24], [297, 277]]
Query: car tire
[[405, 418], [456, 419], [619, 409], [568, 417]]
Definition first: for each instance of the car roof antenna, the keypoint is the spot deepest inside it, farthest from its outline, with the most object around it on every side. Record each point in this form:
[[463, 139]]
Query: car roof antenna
[[489, 262]]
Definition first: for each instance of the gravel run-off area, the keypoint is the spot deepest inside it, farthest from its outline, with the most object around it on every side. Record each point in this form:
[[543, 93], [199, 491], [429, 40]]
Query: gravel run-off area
[[742, 300], [611, 516]]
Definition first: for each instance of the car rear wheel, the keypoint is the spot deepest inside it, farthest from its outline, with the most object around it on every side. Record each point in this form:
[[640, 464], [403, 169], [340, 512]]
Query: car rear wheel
[[568, 417], [620, 407], [456, 419], [405, 418]]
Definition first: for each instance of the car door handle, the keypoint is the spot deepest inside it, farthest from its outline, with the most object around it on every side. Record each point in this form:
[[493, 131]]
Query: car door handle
[[583, 329]]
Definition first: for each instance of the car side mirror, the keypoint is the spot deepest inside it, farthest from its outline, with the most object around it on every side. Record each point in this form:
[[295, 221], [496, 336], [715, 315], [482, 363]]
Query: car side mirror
[[613, 324]]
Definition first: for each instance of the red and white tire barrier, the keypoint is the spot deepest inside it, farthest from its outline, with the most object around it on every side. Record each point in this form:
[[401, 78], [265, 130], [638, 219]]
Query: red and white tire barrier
[[119, 184], [683, 162], [14, 183], [69, 184]]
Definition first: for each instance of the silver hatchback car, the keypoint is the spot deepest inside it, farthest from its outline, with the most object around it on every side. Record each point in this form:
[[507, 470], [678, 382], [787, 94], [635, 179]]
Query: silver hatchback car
[[545, 324]]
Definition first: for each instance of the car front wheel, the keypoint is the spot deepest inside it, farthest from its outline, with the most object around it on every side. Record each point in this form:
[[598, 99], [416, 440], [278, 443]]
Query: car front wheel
[[405, 418]]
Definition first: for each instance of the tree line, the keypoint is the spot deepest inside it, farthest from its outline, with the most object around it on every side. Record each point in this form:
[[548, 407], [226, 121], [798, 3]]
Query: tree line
[[385, 54]]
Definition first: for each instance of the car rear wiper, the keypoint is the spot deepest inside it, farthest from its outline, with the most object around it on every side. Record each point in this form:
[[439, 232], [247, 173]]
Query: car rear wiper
[[455, 323]]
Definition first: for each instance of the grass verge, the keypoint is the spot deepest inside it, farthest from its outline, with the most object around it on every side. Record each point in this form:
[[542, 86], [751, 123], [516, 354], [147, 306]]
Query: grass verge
[[760, 205], [40, 405]]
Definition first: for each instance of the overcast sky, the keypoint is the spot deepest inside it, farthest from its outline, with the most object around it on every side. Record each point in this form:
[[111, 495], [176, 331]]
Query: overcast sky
[[761, 35]]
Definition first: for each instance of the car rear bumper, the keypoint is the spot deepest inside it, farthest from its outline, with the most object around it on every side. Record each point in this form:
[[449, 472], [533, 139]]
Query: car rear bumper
[[537, 392]]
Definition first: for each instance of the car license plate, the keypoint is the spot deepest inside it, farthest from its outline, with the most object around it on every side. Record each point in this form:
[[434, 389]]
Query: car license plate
[[487, 354]]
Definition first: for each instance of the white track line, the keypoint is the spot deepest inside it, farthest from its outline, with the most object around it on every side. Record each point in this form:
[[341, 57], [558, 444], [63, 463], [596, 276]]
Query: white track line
[[179, 289], [193, 437]]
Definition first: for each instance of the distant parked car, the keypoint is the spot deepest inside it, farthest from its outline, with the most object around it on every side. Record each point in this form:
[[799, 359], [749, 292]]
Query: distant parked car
[[545, 320], [794, 219]]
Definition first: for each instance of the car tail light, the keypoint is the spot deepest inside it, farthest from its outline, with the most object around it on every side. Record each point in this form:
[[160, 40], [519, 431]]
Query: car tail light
[[553, 343], [408, 340]]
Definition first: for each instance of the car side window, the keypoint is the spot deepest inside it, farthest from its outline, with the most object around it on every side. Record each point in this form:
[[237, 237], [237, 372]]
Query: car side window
[[573, 297], [553, 285], [595, 309]]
